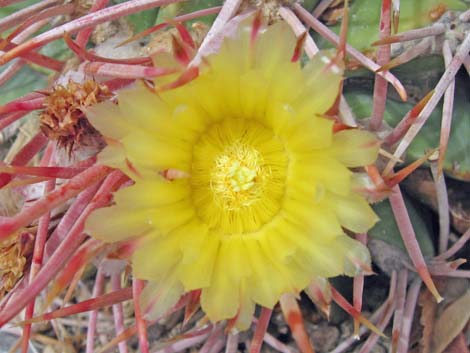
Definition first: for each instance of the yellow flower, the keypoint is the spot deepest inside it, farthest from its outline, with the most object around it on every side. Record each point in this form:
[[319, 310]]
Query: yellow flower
[[266, 189]]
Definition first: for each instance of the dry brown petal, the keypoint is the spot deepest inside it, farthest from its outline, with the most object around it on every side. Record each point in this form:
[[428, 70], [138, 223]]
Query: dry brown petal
[[12, 262], [428, 318], [269, 8], [451, 323], [63, 118]]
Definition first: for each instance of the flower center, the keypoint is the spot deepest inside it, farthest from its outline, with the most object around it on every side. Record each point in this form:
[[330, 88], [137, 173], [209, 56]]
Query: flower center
[[237, 176]]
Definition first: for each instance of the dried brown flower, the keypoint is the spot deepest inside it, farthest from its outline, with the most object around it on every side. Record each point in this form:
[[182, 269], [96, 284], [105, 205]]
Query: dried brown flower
[[269, 8], [334, 13], [63, 118], [12, 261]]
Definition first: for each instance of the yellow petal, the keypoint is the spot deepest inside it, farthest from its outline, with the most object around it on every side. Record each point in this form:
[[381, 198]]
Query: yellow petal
[[265, 284], [156, 256], [255, 93], [144, 109], [310, 134], [356, 256], [151, 193], [355, 148], [321, 259], [322, 79], [190, 121], [169, 217], [276, 244], [108, 120], [116, 223], [316, 222], [233, 250], [342, 255], [299, 133], [219, 87], [209, 97], [246, 310], [198, 274], [175, 123], [144, 149], [233, 56], [166, 60], [353, 212], [114, 155], [158, 298], [194, 239], [324, 172], [221, 299], [274, 48]]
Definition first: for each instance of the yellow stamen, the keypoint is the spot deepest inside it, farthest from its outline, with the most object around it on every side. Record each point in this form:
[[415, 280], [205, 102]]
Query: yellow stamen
[[237, 176]]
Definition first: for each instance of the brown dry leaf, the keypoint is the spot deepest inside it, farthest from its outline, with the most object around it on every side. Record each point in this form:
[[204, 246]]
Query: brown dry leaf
[[451, 323], [428, 315], [458, 345], [13, 254]]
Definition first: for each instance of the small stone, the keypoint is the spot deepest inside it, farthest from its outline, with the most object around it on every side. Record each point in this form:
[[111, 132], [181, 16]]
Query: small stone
[[324, 337], [7, 341], [376, 349], [347, 329]]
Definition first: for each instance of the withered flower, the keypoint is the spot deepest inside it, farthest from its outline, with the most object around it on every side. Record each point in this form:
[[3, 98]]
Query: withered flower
[[63, 118], [12, 260]]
